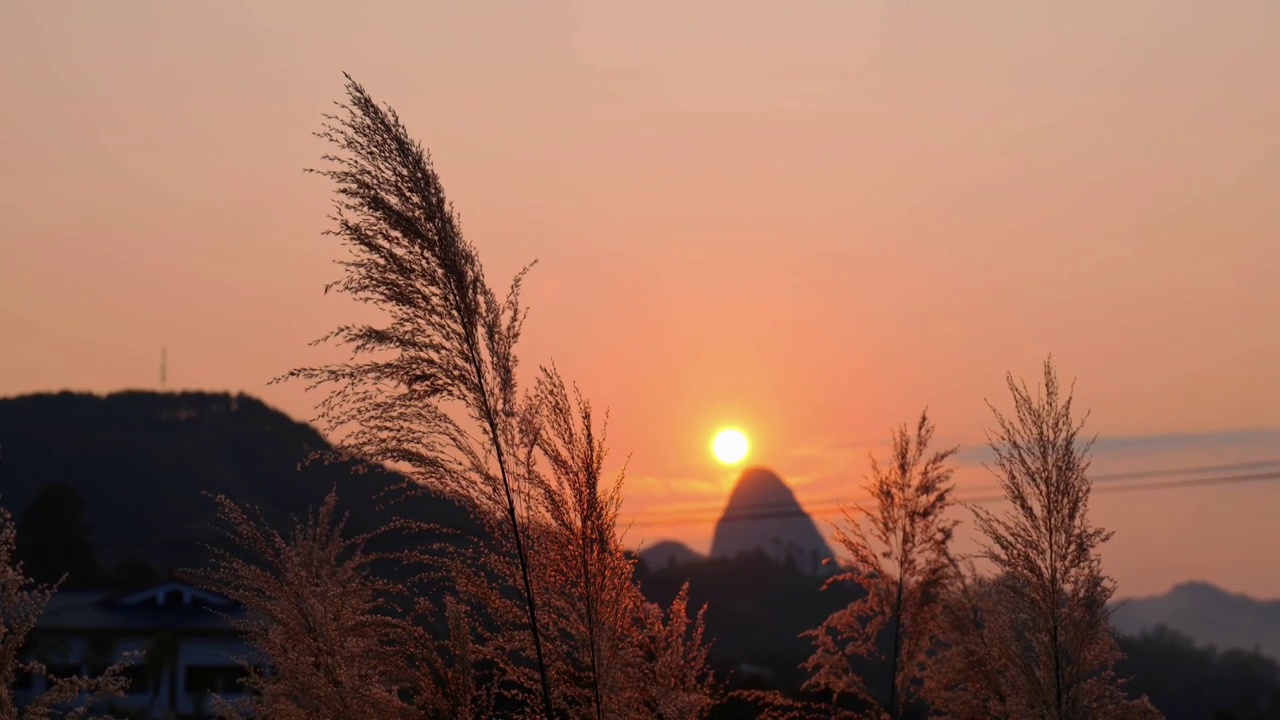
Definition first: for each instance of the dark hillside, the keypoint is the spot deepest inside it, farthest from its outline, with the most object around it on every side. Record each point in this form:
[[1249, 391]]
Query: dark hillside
[[756, 609], [141, 461]]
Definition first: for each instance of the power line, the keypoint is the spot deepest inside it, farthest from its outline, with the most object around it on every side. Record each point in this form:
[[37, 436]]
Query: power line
[[978, 500], [698, 511], [1184, 471], [1167, 485]]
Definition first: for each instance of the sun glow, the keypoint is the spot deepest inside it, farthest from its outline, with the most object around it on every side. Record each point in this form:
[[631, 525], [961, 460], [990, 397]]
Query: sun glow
[[730, 446]]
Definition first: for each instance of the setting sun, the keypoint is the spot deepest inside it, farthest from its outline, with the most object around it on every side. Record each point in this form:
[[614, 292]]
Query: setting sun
[[730, 446]]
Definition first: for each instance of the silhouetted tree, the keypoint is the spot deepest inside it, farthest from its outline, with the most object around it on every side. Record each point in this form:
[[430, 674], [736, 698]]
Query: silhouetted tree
[[131, 574], [1046, 621], [21, 602], [53, 540], [1190, 682]]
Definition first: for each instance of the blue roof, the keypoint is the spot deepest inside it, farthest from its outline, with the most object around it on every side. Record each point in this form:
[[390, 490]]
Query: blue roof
[[188, 610]]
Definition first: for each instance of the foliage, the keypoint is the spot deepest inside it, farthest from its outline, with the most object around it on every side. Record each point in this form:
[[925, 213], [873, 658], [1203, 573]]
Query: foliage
[[592, 602], [675, 678], [344, 644], [53, 539], [1189, 682], [1042, 620], [964, 677], [434, 390], [339, 641], [131, 574], [21, 602], [898, 555], [548, 610], [753, 601]]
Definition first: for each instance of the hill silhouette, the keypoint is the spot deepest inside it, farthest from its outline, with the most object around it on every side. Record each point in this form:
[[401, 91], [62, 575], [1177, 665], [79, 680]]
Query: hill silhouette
[[668, 553], [762, 513], [756, 609], [1207, 614], [141, 461]]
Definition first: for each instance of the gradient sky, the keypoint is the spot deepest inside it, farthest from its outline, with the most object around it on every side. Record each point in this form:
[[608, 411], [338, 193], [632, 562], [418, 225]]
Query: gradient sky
[[806, 219]]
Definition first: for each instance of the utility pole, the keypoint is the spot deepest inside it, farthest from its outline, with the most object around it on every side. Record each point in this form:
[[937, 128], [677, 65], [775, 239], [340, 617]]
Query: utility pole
[[164, 365]]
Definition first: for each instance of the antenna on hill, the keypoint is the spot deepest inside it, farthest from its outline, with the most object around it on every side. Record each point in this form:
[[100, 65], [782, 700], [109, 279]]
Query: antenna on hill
[[164, 365]]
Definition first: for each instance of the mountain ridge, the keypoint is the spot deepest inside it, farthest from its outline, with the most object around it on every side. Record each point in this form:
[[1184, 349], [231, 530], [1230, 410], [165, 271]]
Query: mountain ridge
[[1206, 613], [762, 513], [668, 553]]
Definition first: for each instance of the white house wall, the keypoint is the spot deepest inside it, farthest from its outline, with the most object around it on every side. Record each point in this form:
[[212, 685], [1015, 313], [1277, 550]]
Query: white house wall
[[198, 651]]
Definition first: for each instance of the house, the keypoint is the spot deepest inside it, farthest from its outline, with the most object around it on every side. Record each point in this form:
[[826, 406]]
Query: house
[[192, 650]]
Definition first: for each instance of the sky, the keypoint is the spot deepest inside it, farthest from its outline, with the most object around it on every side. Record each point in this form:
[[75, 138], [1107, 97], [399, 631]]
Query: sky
[[807, 220]]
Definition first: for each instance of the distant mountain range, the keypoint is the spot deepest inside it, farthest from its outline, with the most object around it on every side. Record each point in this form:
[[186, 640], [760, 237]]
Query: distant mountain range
[[668, 553], [1208, 615]]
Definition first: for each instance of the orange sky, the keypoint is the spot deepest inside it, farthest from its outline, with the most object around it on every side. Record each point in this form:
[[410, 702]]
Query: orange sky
[[808, 219]]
